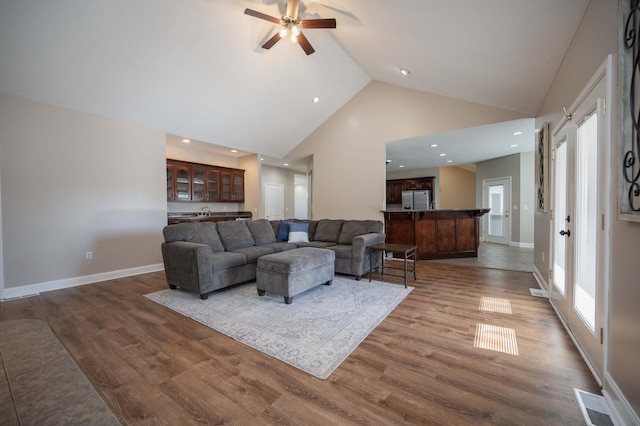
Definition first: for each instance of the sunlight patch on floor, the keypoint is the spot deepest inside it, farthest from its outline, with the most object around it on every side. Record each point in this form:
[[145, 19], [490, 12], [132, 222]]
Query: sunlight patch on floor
[[495, 338], [492, 304]]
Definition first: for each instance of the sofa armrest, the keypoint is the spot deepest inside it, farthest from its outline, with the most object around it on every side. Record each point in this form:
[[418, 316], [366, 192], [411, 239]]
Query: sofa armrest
[[187, 265], [360, 253]]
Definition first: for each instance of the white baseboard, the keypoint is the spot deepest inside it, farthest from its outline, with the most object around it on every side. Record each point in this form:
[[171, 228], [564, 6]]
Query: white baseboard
[[620, 408], [540, 279], [35, 289], [521, 245]]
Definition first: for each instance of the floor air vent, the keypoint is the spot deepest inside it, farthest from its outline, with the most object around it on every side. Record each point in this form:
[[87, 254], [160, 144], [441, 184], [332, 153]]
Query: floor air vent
[[538, 292], [594, 409]]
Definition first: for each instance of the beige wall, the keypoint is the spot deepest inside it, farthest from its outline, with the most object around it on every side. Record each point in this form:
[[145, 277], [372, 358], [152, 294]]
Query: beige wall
[[596, 38], [73, 183], [271, 174], [457, 188], [349, 149]]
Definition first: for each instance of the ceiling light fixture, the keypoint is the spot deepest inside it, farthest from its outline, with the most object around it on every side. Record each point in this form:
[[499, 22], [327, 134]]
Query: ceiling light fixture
[[449, 161], [404, 71], [513, 145], [234, 150], [316, 99], [286, 164], [401, 165], [443, 155], [290, 27], [186, 140], [433, 145], [517, 133]]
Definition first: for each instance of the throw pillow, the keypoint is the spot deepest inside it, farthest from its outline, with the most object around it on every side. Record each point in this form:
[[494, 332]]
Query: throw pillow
[[283, 231], [298, 237], [298, 232]]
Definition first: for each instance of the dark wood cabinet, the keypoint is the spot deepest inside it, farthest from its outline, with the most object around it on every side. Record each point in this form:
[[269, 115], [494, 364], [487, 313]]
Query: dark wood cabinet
[[178, 182], [232, 186], [394, 191], [438, 234], [203, 183], [396, 186]]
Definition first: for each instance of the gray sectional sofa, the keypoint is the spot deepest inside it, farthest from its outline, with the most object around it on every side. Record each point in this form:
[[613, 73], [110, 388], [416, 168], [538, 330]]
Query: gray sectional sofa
[[206, 256]]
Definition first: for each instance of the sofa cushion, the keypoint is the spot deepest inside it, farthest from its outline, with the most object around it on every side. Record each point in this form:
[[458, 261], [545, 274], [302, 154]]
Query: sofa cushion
[[353, 228], [253, 253], [196, 232], [235, 234], [328, 230], [342, 251], [261, 231], [227, 259]]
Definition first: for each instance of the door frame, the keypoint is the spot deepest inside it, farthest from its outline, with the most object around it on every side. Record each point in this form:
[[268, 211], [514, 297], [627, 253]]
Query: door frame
[[485, 202], [606, 200]]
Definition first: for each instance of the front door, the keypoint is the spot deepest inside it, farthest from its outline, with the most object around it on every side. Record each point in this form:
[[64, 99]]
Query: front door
[[578, 221], [497, 223]]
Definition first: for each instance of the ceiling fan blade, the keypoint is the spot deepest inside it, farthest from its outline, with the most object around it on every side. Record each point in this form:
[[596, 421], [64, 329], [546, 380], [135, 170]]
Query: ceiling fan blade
[[319, 23], [273, 40], [304, 43], [261, 15]]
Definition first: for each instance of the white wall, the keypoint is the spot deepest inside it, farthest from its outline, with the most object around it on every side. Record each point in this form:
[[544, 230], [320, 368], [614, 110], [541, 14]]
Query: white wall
[[349, 149], [73, 183]]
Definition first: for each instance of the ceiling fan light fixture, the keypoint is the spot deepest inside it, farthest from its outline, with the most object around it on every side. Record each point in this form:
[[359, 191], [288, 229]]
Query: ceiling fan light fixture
[[284, 32]]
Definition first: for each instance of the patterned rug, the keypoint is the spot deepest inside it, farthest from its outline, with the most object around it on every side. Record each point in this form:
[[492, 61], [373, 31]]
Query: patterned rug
[[315, 333]]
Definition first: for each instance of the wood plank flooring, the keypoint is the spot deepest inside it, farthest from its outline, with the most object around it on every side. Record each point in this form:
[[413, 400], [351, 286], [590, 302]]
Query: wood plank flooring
[[419, 366]]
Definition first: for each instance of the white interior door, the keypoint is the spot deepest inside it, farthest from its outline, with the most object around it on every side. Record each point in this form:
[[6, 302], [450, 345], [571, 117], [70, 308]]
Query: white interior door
[[274, 201], [497, 223], [579, 248]]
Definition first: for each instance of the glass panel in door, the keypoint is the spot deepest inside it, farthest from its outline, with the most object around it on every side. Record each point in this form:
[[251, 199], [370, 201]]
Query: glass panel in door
[[496, 215], [560, 218], [586, 225]]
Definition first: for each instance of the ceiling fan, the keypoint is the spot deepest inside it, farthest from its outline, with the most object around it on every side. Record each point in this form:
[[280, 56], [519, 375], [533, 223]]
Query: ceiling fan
[[292, 26]]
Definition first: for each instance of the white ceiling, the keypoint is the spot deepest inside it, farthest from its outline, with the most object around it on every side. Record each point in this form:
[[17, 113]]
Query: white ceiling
[[194, 68]]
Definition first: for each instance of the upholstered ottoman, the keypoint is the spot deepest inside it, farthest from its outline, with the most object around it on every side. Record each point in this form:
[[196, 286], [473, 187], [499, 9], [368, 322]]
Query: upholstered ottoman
[[291, 272]]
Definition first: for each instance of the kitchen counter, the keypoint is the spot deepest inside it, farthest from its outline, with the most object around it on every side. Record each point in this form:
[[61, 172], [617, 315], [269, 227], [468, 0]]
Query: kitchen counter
[[437, 233], [179, 217]]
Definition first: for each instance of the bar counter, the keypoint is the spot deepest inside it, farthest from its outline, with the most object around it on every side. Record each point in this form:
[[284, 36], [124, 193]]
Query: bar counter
[[438, 234]]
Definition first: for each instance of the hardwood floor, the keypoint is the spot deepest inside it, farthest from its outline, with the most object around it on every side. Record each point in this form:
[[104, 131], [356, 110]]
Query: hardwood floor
[[419, 366]]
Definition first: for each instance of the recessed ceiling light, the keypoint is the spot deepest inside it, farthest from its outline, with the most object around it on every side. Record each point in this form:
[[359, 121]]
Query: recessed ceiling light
[[517, 133], [449, 161], [261, 159], [404, 71], [443, 154], [401, 165], [234, 150], [388, 161], [186, 140], [513, 145], [433, 145], [316, 99], [285, 164]]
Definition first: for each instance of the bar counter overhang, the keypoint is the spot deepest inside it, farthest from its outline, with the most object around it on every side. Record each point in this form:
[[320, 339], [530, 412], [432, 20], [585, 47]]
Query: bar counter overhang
[[438, 234]]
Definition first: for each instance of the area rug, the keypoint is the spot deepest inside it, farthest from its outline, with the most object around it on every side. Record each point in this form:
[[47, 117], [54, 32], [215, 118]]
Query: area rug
[[315, 333]]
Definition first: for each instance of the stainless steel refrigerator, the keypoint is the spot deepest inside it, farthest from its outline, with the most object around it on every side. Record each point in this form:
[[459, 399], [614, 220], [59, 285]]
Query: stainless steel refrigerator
[[416, 200]]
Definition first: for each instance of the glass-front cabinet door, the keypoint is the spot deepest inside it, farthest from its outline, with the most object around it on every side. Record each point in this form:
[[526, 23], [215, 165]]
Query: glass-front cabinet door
[[238, 186], [178, 183], [198, 186], [213, 185]]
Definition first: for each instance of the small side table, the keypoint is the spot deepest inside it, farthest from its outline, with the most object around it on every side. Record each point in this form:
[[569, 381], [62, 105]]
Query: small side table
[[408, 253]]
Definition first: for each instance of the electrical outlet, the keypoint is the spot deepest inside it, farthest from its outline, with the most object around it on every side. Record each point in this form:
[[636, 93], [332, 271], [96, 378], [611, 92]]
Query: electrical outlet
[[88, 255]]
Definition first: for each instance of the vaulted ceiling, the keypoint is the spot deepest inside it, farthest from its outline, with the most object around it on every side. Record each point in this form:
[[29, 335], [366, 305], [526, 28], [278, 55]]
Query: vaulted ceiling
[[195, 68]]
